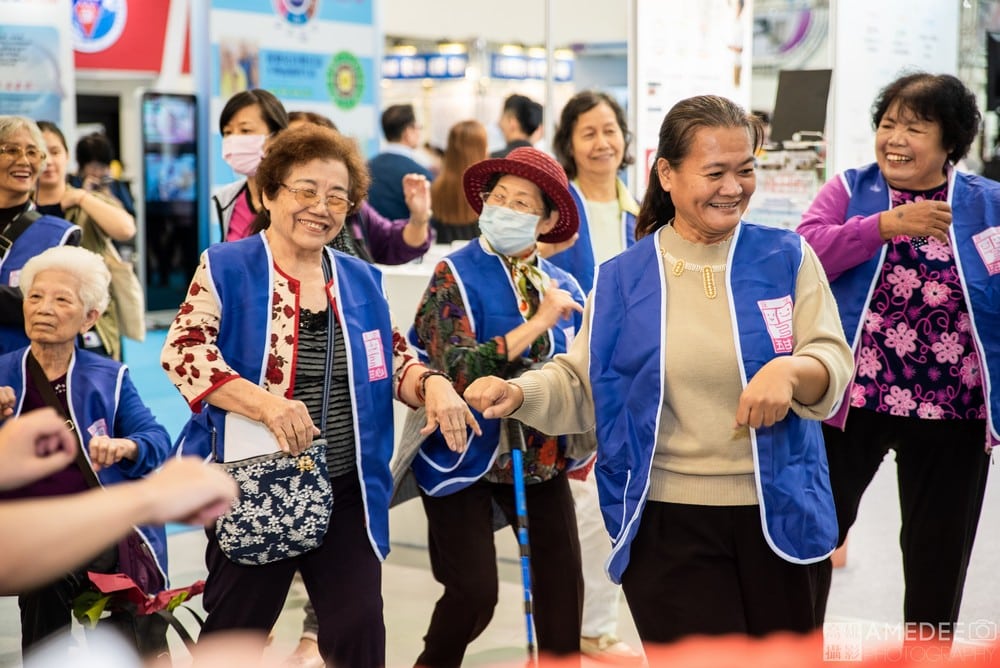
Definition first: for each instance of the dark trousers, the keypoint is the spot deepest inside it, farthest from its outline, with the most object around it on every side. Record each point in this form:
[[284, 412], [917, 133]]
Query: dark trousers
[[707, 570], [941, 468], [343, 578], [48, 610], [463, 559]]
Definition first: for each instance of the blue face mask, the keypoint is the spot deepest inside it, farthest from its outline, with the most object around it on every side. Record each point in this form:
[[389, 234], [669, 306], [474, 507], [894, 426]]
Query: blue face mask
[[507, 231]]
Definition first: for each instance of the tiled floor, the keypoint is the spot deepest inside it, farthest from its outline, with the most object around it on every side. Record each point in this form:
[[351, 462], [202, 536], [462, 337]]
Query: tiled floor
[[868, 592]]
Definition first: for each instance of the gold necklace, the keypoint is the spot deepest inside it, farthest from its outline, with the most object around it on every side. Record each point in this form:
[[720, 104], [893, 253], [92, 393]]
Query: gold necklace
[[679, 266]]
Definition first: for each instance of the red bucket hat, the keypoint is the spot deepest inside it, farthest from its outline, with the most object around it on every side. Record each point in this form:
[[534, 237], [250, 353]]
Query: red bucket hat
[[539, 168]]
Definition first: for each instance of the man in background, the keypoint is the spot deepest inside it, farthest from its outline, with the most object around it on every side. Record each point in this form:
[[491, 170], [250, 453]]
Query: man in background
[[519, 121], [399, 158]]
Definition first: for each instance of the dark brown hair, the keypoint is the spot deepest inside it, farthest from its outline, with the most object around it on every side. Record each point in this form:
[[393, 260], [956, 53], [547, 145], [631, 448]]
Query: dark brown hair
[[466, 146], [580, 104], [677, 133], [311, 117]]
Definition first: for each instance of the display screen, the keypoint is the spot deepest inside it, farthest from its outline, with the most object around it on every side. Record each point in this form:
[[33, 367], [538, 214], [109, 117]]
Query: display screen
[[168, 119], [170, 178]]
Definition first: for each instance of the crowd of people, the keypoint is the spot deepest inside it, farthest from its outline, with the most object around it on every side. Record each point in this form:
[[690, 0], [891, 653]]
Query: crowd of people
[[701, 401]]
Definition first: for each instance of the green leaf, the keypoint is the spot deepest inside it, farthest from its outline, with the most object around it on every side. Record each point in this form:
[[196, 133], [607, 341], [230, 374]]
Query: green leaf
[[175, 602], [89, 606]]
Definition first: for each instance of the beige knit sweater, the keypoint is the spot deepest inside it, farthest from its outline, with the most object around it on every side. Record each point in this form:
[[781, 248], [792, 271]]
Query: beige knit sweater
[[700, 456]]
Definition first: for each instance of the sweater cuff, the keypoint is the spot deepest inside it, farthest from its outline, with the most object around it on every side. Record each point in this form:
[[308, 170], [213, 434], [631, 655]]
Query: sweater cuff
[[531, 410]]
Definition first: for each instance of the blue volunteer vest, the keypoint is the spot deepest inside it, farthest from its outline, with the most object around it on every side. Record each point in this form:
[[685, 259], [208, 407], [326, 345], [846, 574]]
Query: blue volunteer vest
[[491, 301], [46, 232], [578, 259], [242, 274], [797, 511], [975, 207], [93, 385]]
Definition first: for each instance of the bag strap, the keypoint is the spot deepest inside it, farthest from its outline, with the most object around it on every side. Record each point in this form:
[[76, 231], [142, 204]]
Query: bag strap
[[330, 324], [49, 395], [16, 228], [175, 624]]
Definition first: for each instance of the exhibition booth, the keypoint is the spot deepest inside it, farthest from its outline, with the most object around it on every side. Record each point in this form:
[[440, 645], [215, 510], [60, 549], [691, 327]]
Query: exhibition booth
[[130, 67]]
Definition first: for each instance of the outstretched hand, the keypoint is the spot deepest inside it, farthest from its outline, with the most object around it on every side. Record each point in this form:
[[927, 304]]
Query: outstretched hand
[[446, 410], [417, 193], [494, 397], [190, 491]]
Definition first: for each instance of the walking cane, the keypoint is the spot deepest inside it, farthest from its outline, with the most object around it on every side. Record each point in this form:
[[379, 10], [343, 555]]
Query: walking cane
[[515, 437]]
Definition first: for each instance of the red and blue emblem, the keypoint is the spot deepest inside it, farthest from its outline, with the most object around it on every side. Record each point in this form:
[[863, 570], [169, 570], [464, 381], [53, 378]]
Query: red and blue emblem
[[97, 24], [296, 12]]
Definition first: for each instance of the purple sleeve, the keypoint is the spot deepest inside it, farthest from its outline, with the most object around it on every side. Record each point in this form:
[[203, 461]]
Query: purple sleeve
[[385, 238], [840, 244]]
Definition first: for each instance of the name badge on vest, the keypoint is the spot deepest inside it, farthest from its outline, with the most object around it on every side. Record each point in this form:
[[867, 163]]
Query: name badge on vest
[[778, 317], [988, 244], [375, 355], [15, 278], [99, 428]]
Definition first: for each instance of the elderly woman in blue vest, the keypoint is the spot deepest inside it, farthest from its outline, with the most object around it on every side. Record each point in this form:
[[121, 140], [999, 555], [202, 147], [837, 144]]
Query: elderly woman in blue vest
[[711, 350], [23, 233], [251, 338], [495, 307], [65, 290], [592, 144], [912, 250]]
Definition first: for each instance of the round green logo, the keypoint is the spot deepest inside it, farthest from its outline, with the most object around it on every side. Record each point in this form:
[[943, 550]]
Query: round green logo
[[345, 80]]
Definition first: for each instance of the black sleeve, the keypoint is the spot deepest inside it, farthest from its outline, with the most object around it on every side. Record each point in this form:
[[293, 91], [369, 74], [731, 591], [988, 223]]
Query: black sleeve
[[11, 312]]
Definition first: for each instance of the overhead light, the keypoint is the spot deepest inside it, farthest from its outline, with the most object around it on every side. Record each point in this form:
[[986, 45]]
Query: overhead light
[[564, 54], [449, 47], [511, 49], [536, 52], [403, 50]]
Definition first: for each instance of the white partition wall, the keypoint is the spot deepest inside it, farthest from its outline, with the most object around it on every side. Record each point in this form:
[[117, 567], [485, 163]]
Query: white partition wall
[[683, 49], [873, 43]]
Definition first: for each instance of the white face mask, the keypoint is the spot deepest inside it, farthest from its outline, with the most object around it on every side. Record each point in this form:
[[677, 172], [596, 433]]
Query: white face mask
[[509, 232], [243, 152]]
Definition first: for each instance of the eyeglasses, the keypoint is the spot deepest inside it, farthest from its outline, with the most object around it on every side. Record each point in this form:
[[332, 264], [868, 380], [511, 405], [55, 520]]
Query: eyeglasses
[[11, 152], [499, 199], [309, 197]]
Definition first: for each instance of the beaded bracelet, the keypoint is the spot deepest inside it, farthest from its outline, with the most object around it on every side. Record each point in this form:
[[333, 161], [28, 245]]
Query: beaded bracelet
[[422, 382]]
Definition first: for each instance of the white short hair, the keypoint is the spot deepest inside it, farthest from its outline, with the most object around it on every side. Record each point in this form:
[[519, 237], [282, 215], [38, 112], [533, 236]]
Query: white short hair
[[11, 124], [87, 266]]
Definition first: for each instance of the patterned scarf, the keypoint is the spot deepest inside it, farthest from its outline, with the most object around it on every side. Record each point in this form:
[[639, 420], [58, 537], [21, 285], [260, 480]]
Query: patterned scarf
[[530, 281]]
